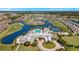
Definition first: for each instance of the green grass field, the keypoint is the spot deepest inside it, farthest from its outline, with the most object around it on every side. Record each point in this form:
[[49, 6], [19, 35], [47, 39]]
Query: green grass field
[[26, 21], [7, 47], [49, 45], [71, 48], [71, 39], [74, 40], [61, 26], [28, 48], [12, 28]]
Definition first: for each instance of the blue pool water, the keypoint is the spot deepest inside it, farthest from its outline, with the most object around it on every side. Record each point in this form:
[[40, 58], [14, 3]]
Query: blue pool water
[[37, 31], [10, 38]]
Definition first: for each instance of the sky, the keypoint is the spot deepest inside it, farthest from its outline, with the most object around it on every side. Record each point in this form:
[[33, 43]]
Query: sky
[[39, 9]]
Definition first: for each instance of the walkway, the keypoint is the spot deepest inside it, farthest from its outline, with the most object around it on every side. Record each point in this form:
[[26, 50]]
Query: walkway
[[40, 46], [17, 47]]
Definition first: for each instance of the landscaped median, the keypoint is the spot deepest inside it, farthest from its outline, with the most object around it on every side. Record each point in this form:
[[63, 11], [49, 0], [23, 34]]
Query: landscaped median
[[61, 26]]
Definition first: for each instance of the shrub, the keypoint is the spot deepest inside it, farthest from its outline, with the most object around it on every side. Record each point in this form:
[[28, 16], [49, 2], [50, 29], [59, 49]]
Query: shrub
[[27, 43], [34, 44], [61, 49], [76, 46], [61, 41], [69, 45]]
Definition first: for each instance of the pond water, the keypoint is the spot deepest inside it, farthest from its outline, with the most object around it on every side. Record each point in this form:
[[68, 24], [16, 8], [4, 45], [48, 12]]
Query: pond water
[[10, 38]]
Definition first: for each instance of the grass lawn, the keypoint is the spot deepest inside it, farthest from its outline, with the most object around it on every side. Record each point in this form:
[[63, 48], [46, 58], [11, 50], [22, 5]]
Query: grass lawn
[[60, 25], [49, 45], [28, 48], [7, 47], [72, 49], [12, 28], [74, 40], [71, 39], [26, 21]]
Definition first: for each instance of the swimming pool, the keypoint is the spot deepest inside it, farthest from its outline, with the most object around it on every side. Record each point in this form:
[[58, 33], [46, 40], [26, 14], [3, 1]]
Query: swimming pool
[[37, 31]]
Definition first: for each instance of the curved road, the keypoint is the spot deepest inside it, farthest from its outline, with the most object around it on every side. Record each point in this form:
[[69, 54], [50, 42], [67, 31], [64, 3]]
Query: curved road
[[40, 46]]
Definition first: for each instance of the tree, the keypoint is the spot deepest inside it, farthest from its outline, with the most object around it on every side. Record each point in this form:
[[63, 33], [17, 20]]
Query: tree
[[24, 34], [34, 44], [27, 43], [69, 45], [78, 34], [12, 47], [76, 46], [48, 42], [70, 34], [61, 49], [61, 41], [13, 17]]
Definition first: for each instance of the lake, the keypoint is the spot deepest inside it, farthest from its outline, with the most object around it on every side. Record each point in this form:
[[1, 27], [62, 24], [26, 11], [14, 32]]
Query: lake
[[10, 38]]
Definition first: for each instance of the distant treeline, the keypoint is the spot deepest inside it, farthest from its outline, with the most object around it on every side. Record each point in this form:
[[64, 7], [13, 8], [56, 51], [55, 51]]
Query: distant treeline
[[67, 13]]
